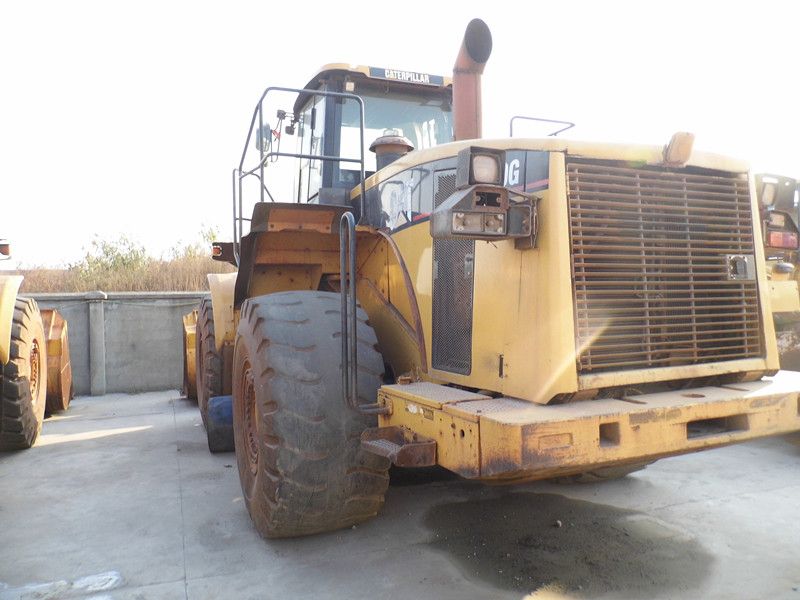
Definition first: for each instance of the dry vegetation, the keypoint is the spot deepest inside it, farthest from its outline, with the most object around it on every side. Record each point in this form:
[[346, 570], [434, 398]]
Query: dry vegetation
[[123, 266]]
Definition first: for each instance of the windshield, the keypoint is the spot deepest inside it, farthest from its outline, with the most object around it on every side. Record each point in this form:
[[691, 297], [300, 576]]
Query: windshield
[[425, 121]]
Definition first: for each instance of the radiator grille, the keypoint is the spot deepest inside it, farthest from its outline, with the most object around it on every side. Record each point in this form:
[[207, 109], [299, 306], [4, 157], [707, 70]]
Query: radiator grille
[[651, 259]]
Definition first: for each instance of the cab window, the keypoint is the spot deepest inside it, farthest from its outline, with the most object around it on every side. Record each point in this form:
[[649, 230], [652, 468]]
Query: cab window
[[311, 130]]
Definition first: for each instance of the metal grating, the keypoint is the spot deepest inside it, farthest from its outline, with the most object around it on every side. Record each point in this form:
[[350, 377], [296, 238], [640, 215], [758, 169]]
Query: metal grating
[[657, 261], [453, 278]]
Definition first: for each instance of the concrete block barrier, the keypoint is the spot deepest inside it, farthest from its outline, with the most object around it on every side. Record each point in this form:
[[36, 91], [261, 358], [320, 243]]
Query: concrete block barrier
[[124, 341]]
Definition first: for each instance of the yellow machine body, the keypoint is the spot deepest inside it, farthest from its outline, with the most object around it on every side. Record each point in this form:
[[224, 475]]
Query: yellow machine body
[[784, 297], [189, 324], [9, 286], [505, 418], [780, 226], [481, 437], [532, 290], [222, 289], [59, 366]]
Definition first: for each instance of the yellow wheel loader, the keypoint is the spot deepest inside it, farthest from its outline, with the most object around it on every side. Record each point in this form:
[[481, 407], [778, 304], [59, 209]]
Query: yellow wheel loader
[[780, 222], [35, 371], [508, 309]]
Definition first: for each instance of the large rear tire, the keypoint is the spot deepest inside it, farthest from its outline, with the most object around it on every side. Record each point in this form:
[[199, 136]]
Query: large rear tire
[[23, 385], [208, 366], [298, 446]]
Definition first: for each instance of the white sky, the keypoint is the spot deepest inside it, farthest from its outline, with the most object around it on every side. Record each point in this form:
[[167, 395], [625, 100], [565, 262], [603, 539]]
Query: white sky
[[127, 117]]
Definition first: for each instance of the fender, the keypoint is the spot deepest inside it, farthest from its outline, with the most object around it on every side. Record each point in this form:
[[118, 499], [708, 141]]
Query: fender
[[9, 286], [222, 288]]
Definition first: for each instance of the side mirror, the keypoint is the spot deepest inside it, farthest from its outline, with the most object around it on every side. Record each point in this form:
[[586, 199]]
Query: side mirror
[[263, 141]]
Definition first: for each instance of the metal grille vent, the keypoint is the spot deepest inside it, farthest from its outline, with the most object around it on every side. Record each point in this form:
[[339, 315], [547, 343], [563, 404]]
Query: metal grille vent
[[658, 260], [453, 278]]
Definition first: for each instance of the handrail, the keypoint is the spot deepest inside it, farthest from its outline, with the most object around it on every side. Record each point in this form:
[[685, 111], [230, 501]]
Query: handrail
[[569, 124], [347, 290], [258, 171], [347, 269]]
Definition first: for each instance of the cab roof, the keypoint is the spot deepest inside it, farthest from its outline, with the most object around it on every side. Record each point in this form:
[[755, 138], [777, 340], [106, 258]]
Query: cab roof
[[394, 78], [399, 76]]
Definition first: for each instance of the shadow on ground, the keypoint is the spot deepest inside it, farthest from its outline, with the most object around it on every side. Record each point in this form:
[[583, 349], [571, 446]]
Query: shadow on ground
[[522, 541], [401, 477]]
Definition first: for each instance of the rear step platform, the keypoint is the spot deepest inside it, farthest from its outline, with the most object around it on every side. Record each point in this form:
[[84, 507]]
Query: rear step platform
[[400, 445], [481, 437]]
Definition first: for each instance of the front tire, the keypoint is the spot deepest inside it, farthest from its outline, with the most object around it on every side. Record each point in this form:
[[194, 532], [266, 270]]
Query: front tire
[[298, 446], [23, 385]]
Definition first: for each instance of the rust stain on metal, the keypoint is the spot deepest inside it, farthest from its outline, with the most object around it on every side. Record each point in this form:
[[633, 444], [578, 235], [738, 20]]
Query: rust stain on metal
[[283, 219], [650, 416], [554, 441], [767, 401], [641, 418]]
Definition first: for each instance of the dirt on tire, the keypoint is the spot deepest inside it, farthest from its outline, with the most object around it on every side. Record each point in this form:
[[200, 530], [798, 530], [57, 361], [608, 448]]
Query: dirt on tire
[[23, 384], [208, 365], [298, 446]]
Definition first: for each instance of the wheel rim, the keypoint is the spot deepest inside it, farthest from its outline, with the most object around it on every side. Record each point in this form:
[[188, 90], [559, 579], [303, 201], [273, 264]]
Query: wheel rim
[[33, 361], [250, 419]]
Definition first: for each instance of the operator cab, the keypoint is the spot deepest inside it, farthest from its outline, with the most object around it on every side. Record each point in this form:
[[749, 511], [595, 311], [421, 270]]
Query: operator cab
[[416, 106]]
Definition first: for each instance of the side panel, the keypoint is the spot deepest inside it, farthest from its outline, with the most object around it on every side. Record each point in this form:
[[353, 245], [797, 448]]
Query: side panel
[[222, 287], [386, 292], [784, 296], [772, 359], [540, 351], [9, 286], [521, 341]]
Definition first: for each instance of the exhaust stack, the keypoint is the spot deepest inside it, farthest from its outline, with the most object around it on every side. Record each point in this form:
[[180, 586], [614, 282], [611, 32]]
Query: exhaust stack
[[475, 51]]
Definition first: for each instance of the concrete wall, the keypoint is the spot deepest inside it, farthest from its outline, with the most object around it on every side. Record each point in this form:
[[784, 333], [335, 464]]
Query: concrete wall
[[124, 341]]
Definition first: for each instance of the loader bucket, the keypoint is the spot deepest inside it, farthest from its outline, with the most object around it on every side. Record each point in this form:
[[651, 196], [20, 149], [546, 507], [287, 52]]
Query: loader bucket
[[59, 369], [189, 358]]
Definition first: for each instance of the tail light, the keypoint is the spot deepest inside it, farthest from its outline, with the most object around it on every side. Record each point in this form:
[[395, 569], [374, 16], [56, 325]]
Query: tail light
[[782, 239]]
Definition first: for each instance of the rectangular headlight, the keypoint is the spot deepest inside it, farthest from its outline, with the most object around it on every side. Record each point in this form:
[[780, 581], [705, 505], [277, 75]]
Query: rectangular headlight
[[467, 222], [494, 223], [476, 165], [485, 168], [479, 223]]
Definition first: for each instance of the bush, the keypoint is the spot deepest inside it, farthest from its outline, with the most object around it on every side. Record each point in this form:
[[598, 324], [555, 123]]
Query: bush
[[124, 266]]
